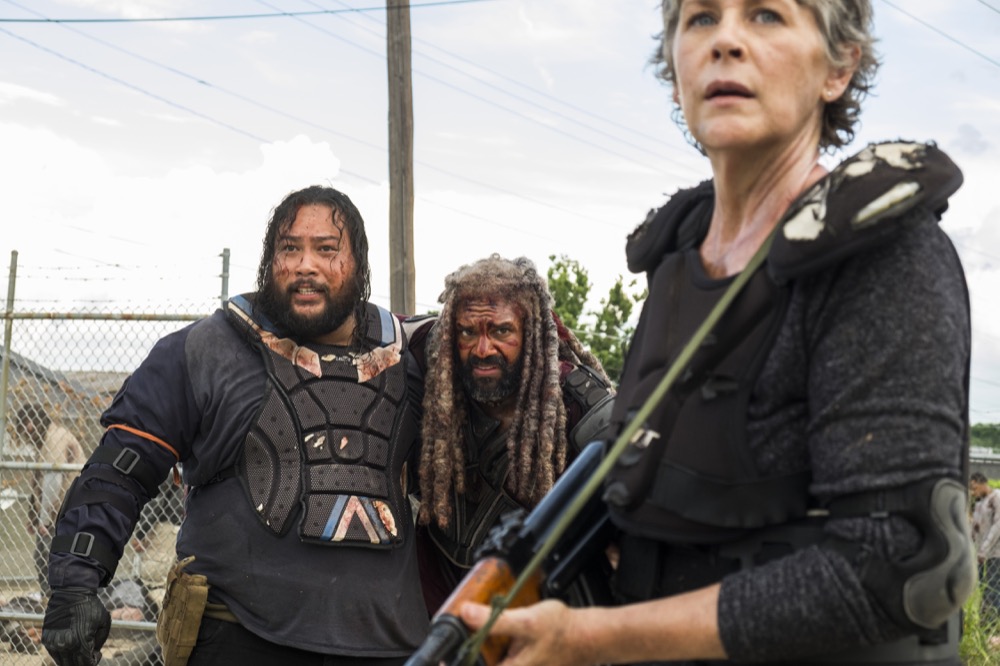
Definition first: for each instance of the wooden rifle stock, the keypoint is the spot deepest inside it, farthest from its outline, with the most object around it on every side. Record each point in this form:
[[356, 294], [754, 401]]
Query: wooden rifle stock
[[505, 555], [490, 578]]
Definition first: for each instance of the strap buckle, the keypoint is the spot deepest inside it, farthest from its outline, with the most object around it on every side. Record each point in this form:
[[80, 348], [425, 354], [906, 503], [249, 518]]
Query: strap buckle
[[75, 546], [123, 463]]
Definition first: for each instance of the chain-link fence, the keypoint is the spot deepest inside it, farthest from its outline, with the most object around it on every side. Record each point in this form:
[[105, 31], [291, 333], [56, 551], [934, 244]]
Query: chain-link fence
[[60, 371]]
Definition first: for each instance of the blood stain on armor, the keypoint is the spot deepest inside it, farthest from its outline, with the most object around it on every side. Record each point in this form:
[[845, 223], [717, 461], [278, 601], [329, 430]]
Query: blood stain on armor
[[385, 513]]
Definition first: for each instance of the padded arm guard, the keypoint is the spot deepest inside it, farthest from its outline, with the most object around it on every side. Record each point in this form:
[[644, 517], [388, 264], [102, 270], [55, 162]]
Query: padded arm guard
[[921, 591], [117, 477]]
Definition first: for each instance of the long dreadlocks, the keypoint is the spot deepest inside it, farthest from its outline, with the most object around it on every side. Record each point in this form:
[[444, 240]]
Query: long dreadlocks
[[536, 439]]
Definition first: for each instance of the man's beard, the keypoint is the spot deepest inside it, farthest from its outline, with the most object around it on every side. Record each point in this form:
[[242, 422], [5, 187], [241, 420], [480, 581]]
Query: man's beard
[[490, 390], [277, 304]]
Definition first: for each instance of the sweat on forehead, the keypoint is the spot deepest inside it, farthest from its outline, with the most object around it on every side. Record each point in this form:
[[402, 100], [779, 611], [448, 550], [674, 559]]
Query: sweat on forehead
[[336, 218]]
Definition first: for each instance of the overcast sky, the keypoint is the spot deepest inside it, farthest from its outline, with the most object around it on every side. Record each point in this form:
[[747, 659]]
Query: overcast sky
[[132, 153]]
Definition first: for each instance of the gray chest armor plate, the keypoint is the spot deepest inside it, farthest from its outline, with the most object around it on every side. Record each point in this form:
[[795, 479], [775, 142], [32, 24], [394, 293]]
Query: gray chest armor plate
[[327, 439]]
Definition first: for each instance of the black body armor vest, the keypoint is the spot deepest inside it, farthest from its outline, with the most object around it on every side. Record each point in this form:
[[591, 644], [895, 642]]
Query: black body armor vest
[[327, 437], [703, 486], [688, 476]]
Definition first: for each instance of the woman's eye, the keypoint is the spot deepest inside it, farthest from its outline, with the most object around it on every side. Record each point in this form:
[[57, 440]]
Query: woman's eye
[[700, 20], [768, 16]]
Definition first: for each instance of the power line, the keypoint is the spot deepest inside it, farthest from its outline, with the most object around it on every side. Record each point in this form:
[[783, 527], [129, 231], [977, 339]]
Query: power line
[[134, 87], [345, 171], [473, 180], [542, 123], [986, 4], [553, 98], [159, 98], [984, 381], [201, 81], [531, 89], [263, 140], [544, 108], [927, 25], [162, 19], [446, 172], [497, 105], [968, 248]]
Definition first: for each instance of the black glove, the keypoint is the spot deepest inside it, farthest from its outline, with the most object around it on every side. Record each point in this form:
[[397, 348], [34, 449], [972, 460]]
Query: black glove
[[75, 627]]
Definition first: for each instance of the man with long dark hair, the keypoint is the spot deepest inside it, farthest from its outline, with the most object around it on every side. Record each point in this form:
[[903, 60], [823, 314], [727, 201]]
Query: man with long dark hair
[[511, 397], [289, 411]]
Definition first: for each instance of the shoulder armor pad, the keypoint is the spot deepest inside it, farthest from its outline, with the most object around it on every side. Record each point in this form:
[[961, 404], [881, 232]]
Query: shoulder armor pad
[[417, 322], [862, 203], [382, 327], [417, 330], [596, 400], [241, 313], [670, 228]]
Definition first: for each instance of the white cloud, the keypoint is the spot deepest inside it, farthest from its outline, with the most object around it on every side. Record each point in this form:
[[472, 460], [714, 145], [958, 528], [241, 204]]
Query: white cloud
[[70, 201], [129, 8], [10, 92]]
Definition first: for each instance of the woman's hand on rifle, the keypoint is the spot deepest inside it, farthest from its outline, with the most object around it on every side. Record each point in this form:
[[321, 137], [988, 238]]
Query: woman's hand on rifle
[[540, 634], [681, 627]]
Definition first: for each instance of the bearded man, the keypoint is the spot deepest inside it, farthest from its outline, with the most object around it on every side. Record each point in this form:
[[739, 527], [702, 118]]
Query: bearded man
[[289, 412], [511, 397]]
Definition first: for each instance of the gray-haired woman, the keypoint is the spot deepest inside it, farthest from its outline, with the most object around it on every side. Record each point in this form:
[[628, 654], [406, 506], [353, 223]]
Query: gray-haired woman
[[799, 495]]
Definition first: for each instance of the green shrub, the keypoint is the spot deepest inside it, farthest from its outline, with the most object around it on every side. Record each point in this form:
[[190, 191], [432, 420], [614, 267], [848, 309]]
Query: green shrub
[[976, 648]]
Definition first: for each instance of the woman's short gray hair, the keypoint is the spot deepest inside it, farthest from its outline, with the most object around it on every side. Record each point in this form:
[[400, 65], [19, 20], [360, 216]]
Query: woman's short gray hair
[[843, 23]]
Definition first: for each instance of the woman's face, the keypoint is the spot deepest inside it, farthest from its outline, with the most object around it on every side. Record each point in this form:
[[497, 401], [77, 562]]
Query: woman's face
[[752, 74]]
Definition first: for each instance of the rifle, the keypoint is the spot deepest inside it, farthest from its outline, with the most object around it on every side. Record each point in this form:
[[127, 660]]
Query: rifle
[[508, 549]]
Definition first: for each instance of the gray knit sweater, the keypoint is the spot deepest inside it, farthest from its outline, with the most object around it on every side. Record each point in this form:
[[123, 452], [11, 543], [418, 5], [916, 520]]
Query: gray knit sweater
[[866, 386]]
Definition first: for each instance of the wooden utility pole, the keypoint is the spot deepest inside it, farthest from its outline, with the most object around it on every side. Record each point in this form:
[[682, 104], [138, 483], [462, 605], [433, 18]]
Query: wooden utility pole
[[402, 293]]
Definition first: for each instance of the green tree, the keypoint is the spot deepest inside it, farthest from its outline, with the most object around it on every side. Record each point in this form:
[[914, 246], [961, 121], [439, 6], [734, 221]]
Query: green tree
[[612, 330], [570, 285], [985, 434], [605, 331]]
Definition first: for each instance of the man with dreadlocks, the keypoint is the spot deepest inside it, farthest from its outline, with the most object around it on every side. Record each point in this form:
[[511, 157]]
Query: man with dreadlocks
[[292, 413], [510, 397]]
